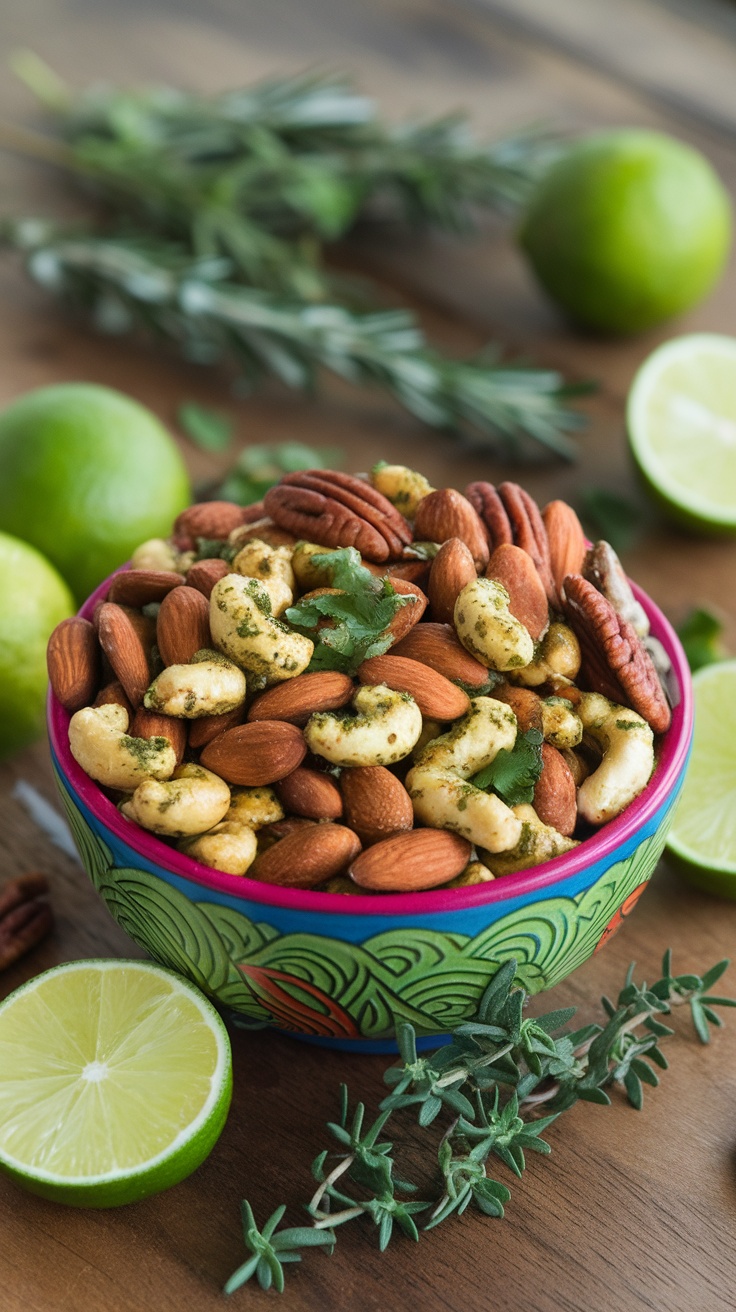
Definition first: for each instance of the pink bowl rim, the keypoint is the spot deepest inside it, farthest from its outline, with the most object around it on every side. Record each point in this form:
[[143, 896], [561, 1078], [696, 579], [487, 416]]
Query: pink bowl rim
[[615, 835]]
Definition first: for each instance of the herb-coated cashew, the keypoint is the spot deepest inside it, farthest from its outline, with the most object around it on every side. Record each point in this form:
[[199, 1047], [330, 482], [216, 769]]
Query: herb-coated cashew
[[627, 743], [229, 846], [488, 630], [157, 554], [561, 726], [272, 567], [556, 659], [99, 743], [255, 807], [474, 873], [439, 786], [209, 685], [307, 574], [537, 843], [402, 486], [244, 629], [383, 729], [191, 802]]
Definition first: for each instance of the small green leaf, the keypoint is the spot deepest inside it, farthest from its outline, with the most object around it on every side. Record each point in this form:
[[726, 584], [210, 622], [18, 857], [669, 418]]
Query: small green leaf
[[609, 515], [700, 634], [513, 774], [207, 428]]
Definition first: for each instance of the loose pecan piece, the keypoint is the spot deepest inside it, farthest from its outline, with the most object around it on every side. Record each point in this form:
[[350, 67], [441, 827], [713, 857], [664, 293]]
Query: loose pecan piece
[[615, 662], [338, 510], [25, 916]]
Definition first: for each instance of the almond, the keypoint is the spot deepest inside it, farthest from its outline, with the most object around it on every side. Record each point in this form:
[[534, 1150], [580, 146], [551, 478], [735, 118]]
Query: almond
[[567, 543], [448, 514], [555, 794], [183, 626], [438, 646], [203, 730], [279, 829], [120, 639], [407, 863], [515, 569], [147, 724], [138, 587], [410, 614], [310, 793], [73, 661], [114, 694], [308, 856], [207, 519], [204, 574], [526, 705], [435, 696], [255, 754], [413, 571], [452, 568], [296, 699], [376, 803]]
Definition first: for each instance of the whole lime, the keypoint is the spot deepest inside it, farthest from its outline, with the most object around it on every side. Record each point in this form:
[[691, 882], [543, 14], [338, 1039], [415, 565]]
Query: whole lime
[[627, 229], [33, 600], [86, 474]]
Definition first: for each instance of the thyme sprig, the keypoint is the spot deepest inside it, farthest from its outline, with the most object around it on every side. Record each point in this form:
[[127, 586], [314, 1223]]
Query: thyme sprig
[[126, 284], [490, 1082]]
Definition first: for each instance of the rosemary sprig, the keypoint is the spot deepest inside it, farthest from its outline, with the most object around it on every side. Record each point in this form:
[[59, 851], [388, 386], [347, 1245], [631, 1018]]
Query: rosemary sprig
[[490, 1082], [127, 284]]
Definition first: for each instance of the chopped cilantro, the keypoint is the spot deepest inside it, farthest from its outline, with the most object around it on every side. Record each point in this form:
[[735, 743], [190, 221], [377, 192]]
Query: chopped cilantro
[[358, 614], [513, 774], [216, 549]]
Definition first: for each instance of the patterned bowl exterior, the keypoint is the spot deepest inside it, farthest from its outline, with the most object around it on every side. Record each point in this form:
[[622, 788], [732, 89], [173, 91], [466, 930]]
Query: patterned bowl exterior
[[342, 971]]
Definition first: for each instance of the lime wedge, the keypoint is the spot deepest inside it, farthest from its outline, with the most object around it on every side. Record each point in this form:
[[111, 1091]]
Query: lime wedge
[[703, 833], [115, 1082], [681, 417]]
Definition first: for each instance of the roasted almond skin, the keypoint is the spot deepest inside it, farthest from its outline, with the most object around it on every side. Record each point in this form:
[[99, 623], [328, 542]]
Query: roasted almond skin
[[296, 699], [202, 731], [407, 863], [183, 626], [204, 574], [435, 696], [410, 614], [120, 639], [524, 702], [452, 568], [255, 754], [310, 793], [306, 857], [555, 794], [73, 663], [138, 587], [567, 545], [114, 694], [515, 569], [148, 724], [376, 803], [438, 646], [448, 514]]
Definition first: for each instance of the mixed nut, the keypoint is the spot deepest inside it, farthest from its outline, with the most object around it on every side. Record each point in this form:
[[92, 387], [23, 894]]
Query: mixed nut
[[367, 684]]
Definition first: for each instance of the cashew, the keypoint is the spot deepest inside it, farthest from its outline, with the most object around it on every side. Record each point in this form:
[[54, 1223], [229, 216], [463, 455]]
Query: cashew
[[229, 846], [402, 486], [474, 873], [431, 729], [537, 843], [255, 807], [488, 630], [384, 728], [556, 659], [628, 758], [272, 566], [190, 803], [560, 724], [99, 743], [210, 685], [155, 554], [438, 784], [307, 574], [243, 628]]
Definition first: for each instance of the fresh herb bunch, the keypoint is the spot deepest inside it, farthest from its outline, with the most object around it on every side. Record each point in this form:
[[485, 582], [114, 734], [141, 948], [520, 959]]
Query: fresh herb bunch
[[358, 614], [196, 307], [487, 1086]]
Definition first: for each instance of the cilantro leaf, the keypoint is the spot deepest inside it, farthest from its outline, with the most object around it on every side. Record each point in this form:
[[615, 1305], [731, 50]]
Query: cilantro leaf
[[618, 519], [358, 615], [513, 774], [209, 429], [700, 634]]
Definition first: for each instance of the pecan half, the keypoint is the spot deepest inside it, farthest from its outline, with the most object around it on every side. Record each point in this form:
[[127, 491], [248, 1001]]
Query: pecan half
[[338, 510], [485, 499], [615, 662], [25, 917], [511, 515]]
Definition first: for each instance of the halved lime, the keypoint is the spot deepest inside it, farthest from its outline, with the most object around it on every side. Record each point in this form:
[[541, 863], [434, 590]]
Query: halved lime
[[681, 417], [703, 833], [115, 1082]]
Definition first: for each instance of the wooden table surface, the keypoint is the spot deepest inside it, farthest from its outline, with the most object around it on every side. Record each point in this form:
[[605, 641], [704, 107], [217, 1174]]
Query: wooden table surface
[[632, 1211]]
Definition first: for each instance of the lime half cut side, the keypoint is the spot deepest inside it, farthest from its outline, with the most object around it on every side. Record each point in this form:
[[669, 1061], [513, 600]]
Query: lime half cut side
[[703, 833], [681, 417], [115, 1082]]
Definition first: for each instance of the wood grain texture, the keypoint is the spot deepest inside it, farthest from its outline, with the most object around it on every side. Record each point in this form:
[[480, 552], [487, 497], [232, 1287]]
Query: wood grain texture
[[632, 1211]]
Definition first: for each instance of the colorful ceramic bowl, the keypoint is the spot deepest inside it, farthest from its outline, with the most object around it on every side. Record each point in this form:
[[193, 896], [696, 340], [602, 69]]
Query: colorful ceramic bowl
[[342, 971]]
